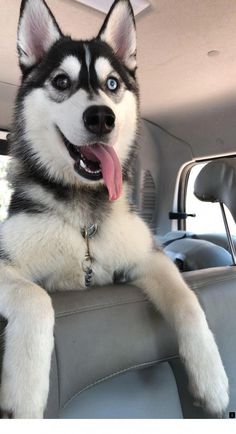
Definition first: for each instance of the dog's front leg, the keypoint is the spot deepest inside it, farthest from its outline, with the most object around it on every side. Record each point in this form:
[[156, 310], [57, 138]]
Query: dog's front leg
[[28, 345], [163, 284]]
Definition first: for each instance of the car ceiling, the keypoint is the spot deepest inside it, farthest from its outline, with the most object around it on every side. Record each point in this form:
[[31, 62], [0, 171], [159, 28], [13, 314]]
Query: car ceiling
[[176, 70]]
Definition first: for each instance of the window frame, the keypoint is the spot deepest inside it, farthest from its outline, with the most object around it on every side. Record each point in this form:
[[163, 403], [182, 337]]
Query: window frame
[[4, 145]]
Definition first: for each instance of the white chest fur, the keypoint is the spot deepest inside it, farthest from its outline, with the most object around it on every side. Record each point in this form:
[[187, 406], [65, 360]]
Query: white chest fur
[[50, 249]]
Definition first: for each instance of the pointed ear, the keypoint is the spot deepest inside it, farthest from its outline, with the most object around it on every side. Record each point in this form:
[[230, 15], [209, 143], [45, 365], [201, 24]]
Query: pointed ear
[[118, 30], [37, 32]]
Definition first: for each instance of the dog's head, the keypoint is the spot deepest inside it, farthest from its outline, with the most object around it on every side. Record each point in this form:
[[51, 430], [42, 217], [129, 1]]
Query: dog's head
[[77, 106]]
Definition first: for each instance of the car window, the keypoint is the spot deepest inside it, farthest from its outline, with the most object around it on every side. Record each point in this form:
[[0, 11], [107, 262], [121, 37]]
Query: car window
[[5, 191], [208, 215]]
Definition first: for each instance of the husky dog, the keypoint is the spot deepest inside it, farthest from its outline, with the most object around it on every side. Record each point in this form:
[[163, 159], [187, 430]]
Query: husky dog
[[72, 146]]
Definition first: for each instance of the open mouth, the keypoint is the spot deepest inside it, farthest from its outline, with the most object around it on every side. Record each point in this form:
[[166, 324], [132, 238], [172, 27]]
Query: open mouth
[[95, 162], [87, 168]]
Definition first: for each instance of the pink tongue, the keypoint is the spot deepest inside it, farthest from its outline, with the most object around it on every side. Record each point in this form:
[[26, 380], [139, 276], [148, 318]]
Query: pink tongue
[[111, 168]]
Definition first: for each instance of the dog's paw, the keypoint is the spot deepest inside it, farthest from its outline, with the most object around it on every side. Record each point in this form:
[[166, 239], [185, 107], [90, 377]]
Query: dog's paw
[[207, 378], [213, 395]]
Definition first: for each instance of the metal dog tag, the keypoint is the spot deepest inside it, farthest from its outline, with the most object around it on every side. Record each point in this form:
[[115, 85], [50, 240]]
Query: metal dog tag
[[87, 233]]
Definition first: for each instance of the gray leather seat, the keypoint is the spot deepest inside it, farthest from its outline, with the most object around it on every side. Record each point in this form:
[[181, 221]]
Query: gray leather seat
[[115, 356], [216, 182]]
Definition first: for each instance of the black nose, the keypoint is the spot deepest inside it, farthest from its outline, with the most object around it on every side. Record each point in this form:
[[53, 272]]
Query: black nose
[[99, 119]]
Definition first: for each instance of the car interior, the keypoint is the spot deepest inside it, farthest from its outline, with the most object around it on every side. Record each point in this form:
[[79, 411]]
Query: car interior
[[114, 355]]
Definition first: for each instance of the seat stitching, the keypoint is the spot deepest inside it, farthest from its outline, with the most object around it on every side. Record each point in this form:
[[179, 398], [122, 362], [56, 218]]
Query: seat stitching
[[209, 281], [100, 306], [121, 371]]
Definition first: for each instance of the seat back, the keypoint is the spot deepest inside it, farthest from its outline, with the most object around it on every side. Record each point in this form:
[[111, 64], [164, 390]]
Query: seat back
[[115, 356]]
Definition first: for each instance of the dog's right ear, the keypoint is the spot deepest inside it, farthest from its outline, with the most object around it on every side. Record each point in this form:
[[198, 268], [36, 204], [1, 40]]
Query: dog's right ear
[[37, 32]]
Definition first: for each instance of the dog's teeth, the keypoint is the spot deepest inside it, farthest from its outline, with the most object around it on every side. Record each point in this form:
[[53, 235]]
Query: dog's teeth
[[87, 169], [83, 165], [90, 171]]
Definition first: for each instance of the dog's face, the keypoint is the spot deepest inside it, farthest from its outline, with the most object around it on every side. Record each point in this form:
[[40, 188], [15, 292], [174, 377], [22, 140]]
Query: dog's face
[[78, 103]]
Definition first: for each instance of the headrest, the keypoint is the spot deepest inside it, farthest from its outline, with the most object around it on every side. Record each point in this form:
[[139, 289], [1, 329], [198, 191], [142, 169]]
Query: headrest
[[217, 183]]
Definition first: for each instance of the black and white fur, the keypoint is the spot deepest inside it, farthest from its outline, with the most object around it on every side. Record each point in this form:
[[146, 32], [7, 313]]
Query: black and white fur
[[41, 246]]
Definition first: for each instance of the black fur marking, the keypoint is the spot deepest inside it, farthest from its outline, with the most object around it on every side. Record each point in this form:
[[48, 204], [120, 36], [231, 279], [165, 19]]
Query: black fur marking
[[96, 200], [87, 79], [4, 256], [19, 203], [122, 276], [63, 192]]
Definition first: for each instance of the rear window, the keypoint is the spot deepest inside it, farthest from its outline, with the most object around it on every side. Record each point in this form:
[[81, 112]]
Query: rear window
[[5, 191], [208, 215]]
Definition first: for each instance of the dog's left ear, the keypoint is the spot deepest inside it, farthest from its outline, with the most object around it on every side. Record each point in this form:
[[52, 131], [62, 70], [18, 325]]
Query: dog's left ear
[[118, 30]]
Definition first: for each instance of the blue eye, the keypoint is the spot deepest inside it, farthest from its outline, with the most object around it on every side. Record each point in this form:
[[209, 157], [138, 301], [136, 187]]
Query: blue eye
[[112, 84]]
